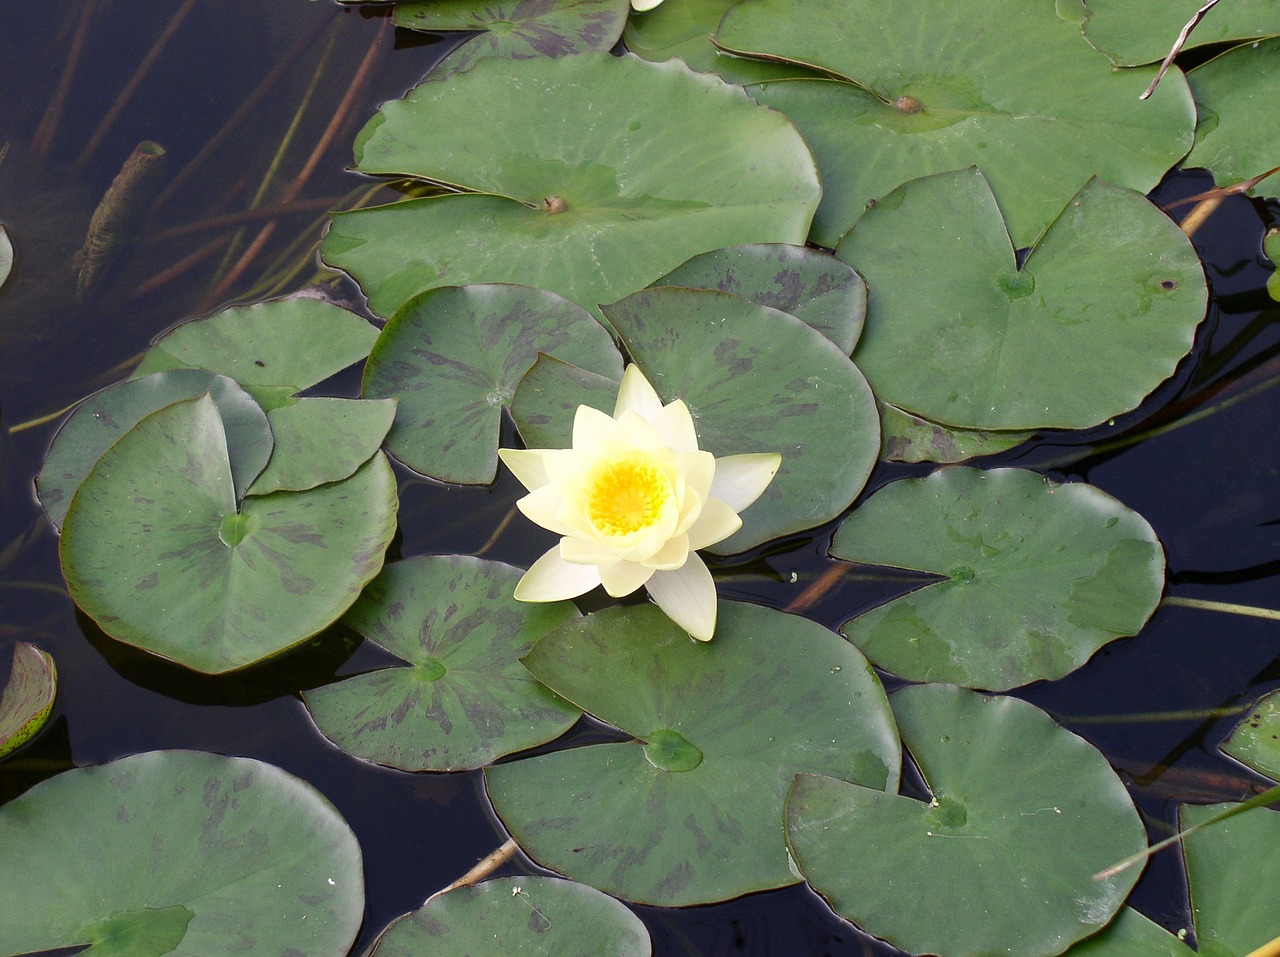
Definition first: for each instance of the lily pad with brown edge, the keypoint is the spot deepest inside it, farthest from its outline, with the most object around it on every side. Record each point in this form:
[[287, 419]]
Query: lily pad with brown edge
[[28, 696], [155, 550], [516, 916], [960, 334], [598, 175], [1034, 577], [1231, 90], [453, 357], [461, 699], [178, 852], [1256, 739], [320, 439], [1022, 814], [690, 810], [1132, 32], [910, 438]]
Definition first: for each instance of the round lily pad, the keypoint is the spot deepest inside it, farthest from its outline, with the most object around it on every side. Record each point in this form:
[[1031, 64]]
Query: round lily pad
[[690, 811], [1131, 935], [320, 439], [154, 549], [1143, 31], [593, 175], [453, 357], [462, 699], [959, 334], [515, 916], [1256, 739], [1000, 860], [1230, 90], [27, 699], [176, 852], [1035, 577]]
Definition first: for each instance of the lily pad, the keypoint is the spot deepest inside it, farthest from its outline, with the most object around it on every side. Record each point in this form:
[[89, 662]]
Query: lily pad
[[1131, 935], [945, 90], [1230, 92], [909, 438], [549, 395], [1271, 249], [1000, 860], [1256, 739], [320, 440], [1035, 577], [517, 29], [105, 416], [815, 287], [1132, 32], [6, 255], [27, 699], [155, 551], [597, 174], [464, 699], [453, 358], [689, 812], [515, 916], [176, 852], [957, 333]]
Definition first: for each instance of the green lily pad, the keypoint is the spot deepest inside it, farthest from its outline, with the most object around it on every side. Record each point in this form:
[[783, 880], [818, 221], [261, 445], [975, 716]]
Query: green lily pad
[[689, 812], [1230, 92], [909, 438], [1256, 739], [1036, 577], [464, 699], [27, 699], [1131, 935], [274, 349], [593, 175], [517, 29], [1023, 813], [155, 551], [1111, 296], [816, 288], [549, 395], [320, 440], [1132, 32], [102, 418], [453, 358], [176, 852], [1271, 248], [515, 916], [6, 255], [946, 90]]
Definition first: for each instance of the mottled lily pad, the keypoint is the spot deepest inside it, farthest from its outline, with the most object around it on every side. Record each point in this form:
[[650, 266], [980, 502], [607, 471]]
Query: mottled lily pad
[[1256, 739], [1132, 32], [462, 699], [549, 395], [1231, 92], [690, 811], [176, 852], [574, 194], [960, 334], [1000, 860], [320, 440], [516, 916], [1035, 577], [910, 438], [27, 699]]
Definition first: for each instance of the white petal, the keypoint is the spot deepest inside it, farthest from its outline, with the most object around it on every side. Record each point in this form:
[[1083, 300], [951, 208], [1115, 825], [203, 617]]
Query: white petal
[[671, 555], [674, 426], [584, 551], [543, 507], [527, 466], [716, 523], [699, 471], [688, 596], [622, 578], [636, 395], [551, 578], [640, 6], [740, 479], [590, 426]]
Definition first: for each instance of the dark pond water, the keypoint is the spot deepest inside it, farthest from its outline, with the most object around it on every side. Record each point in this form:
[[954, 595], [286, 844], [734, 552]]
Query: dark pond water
[[1208, 488]]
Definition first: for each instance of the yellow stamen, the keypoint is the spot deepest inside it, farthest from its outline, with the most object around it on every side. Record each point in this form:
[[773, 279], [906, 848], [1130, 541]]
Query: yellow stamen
[[624, 496]]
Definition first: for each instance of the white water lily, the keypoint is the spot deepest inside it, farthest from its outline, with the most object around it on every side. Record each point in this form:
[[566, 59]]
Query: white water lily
[[634, 499]]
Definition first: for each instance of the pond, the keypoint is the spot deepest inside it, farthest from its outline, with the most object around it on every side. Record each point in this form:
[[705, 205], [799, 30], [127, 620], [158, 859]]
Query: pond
[[255, 114]]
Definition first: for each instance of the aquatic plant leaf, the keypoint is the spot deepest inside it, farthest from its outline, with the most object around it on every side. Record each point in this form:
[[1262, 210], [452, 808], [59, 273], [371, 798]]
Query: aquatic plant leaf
[[1133, 32], [576, 194], [548, 397], [513, 916], [27, 699], [813, 286], [1131, 935], [453, 358], [105, 416], [462, 699], [320, 440], [1036, 577], [944, 91], [178, 852], [1256, 739], [1229, 139], [1271, 249], [689, 812], [154, 550], [1102, 310], [910, 438], [1001, 860], [517, 29], [6, 255], [273, 348]]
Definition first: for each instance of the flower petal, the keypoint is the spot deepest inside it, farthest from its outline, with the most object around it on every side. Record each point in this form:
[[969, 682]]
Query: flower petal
[[673, 554], [622, 578], [551, 578], [688, 596], [590, 426], [578, 550], [740, 479], [527, 466], [674, 425], [699, 471], [543, 507], [715, 523], [636, 395]]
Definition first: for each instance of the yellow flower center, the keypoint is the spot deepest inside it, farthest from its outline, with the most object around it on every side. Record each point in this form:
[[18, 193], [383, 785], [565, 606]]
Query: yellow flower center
[[626, 496]]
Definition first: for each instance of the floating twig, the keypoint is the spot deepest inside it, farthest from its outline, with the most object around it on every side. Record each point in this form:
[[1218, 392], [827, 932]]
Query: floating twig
[[1177, 46]]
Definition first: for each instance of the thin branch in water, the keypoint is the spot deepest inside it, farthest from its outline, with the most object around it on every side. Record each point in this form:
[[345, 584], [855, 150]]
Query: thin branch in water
[[243, 216], [180, 267], [1177, 46], [43, 138], [1208, 201], [1250, 611]]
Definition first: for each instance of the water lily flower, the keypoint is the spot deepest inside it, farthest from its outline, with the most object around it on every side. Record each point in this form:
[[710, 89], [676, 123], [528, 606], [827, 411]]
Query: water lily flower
[[634, 499], [640, 6]]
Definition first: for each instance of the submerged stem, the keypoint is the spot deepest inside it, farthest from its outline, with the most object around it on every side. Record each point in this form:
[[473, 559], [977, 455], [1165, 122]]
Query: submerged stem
[[1231, 608]]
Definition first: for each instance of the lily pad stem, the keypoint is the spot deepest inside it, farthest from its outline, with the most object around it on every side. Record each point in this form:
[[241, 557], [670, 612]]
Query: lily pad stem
[[1231, 608]]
